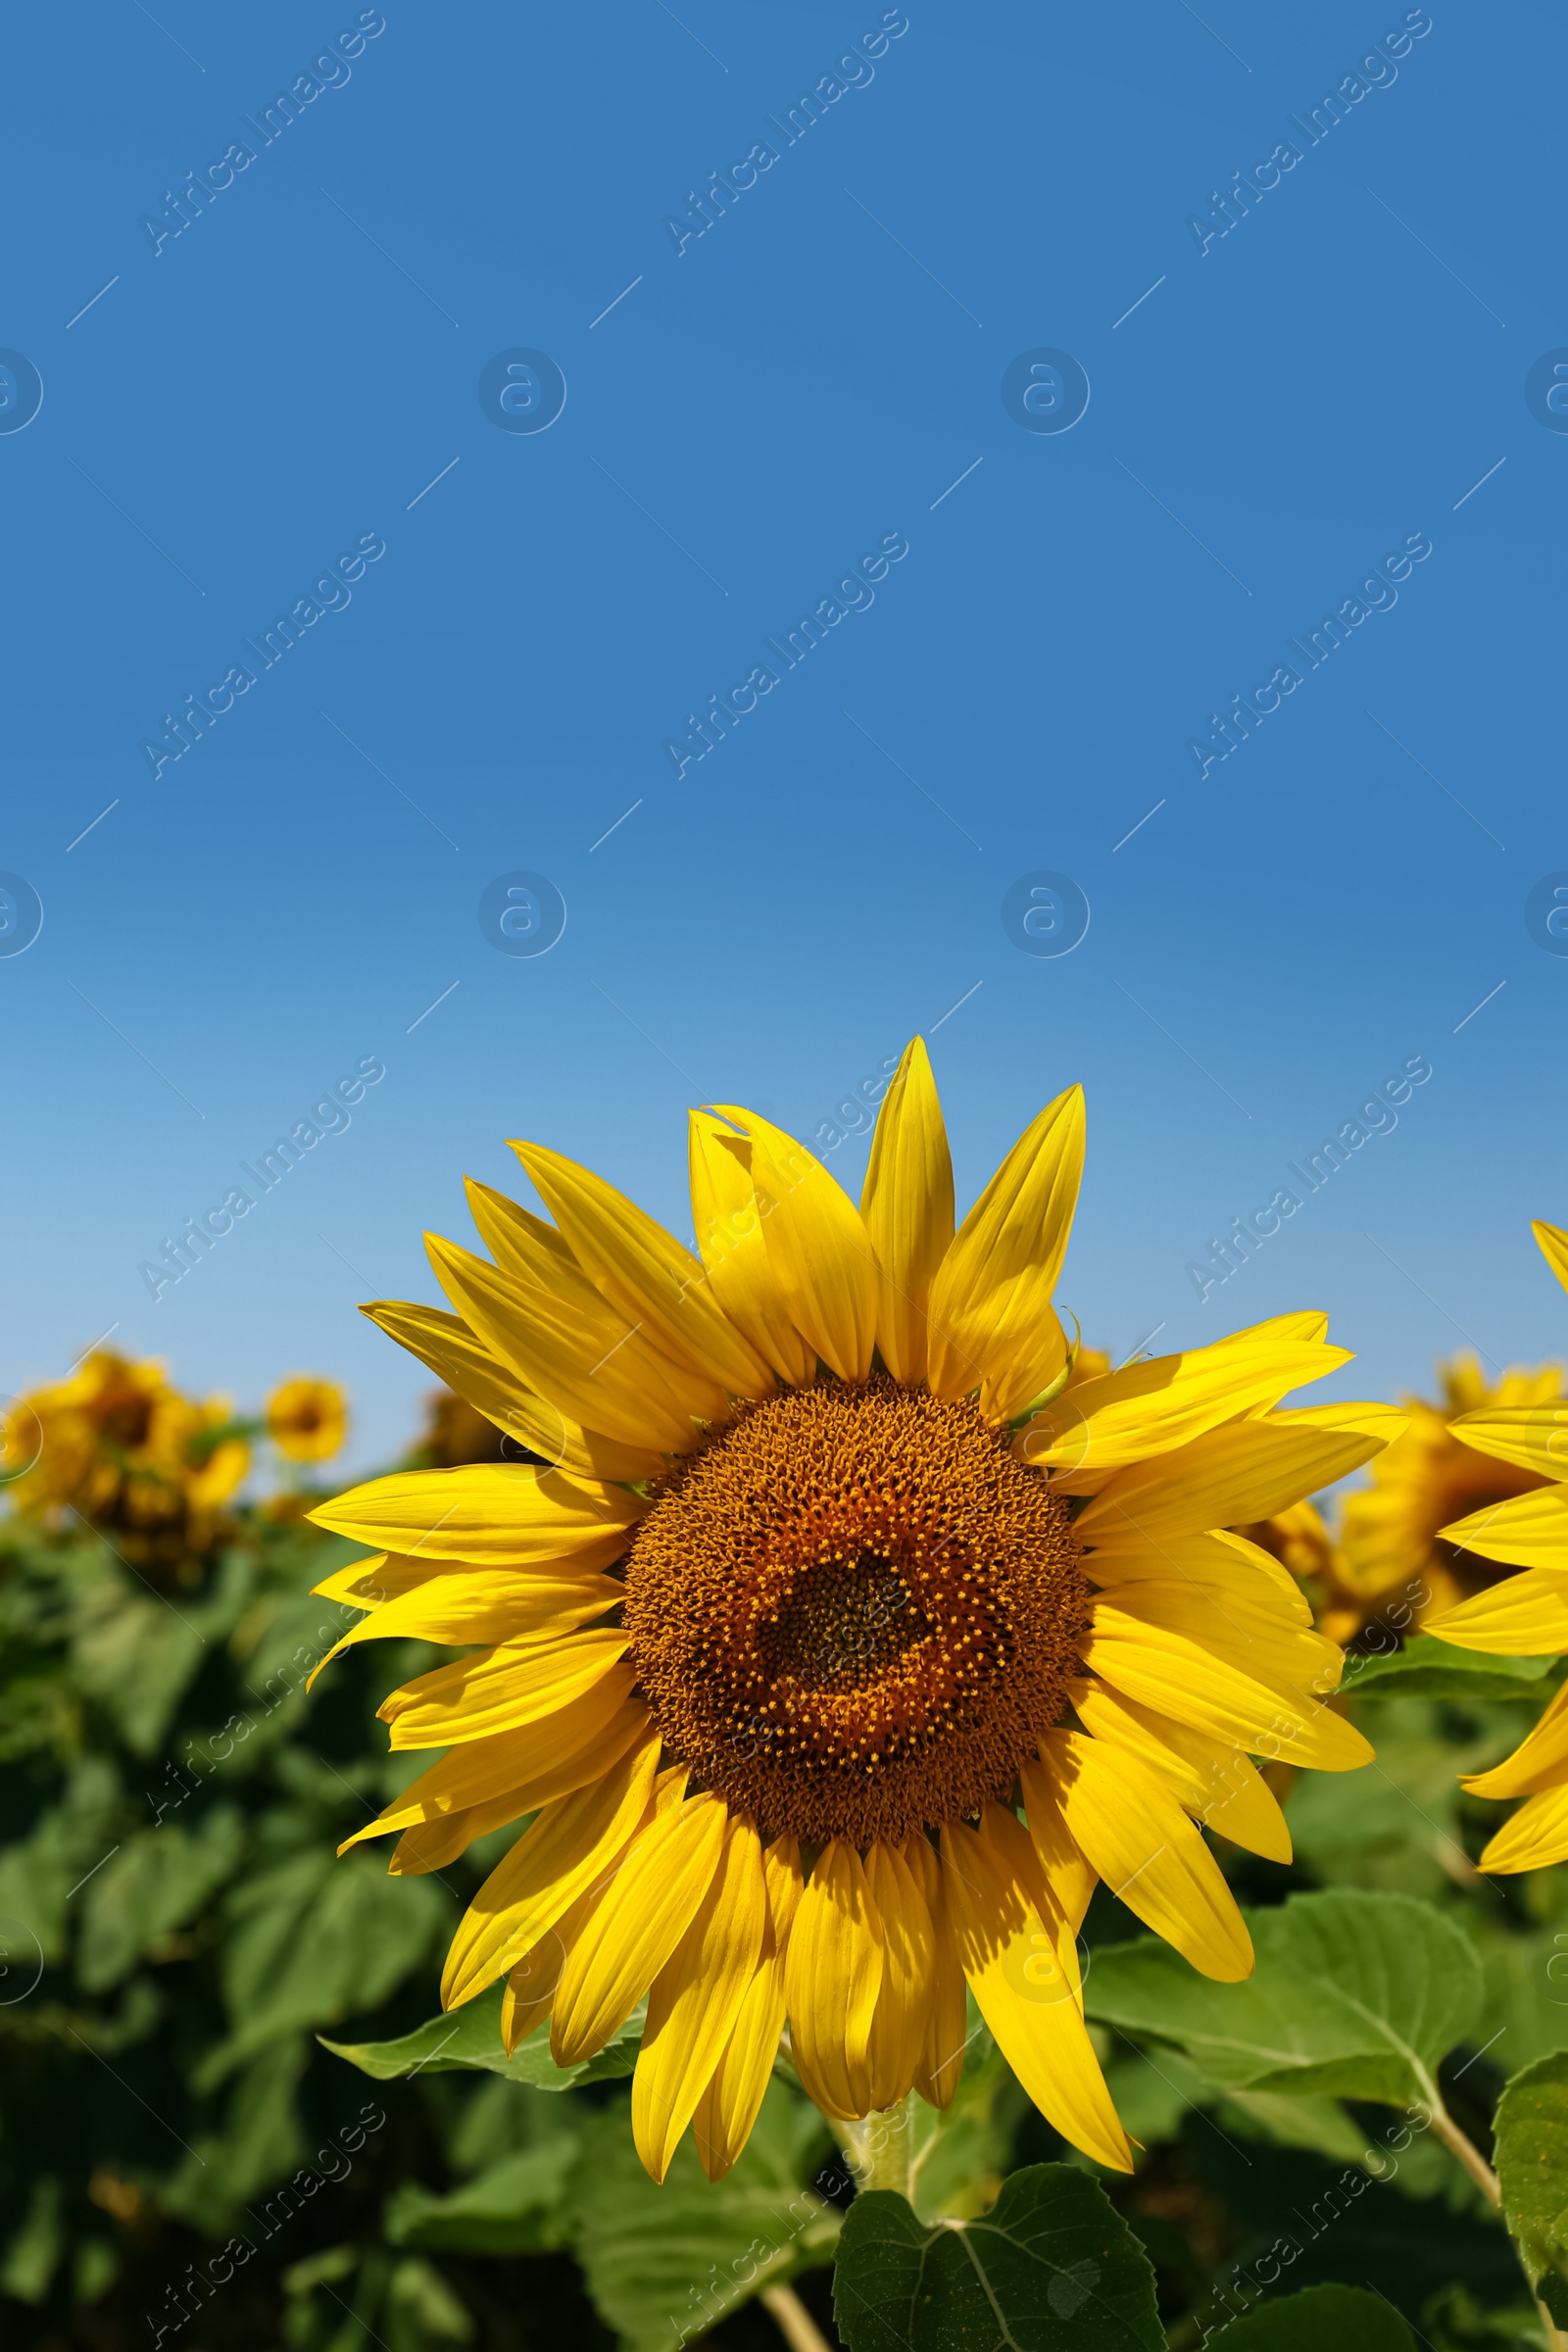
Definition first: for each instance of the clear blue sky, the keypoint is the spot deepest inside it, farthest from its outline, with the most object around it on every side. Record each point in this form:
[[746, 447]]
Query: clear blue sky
[[294, 378]]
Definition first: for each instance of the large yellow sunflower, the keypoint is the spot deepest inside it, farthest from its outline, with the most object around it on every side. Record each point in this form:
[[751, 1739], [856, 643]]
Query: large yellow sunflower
[[1525, 1615], [843, 1650]]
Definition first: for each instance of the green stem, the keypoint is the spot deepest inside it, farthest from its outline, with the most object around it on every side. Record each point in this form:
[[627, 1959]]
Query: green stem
[[880, 2150], [795, 2323]]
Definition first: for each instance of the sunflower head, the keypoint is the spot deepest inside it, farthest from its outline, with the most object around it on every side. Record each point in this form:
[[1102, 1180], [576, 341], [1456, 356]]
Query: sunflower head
[[307, 1418], [855, 1625]]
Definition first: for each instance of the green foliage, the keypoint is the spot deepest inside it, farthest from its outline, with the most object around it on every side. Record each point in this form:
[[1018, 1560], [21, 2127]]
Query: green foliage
[[471, 2036], [1427, 1668], [1350, 2318], [1532, 2155], [1052, 2268]]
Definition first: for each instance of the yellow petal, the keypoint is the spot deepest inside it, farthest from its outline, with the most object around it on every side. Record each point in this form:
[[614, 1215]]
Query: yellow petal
[[1538, 1762], [1524, 1617], [521, 1242], [492, 1604], [899, 2022], [533, 1766], [1247, 1630], [502, 1688], [565, 1851], [695, 1998], [1164, 1401], [733, 2097], [1245, 1470], [1219, 1558], [1368, 1418], [1528, 1531], [1070, 1874], [1148, 1853], [832, 1976], [450, 1349], [907, 1209], [1009, 1956], [1217, 1785], [647, 1908], [1534, 1836], [1534, 1437], [645, 1273], [947, 2026], [729, 1226], [1175, 1676], [431, 1844], [531, 1982], [489, 1514], [818, 1250], [563, 1340], [992, 1324], [1553, 1244]]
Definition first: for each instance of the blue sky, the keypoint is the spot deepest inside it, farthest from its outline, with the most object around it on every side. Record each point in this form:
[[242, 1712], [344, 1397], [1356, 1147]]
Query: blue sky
[[240, 405]]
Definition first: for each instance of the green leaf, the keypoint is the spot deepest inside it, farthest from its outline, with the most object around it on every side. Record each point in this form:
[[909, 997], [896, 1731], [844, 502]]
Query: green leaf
[[516, 2207], [1052, 2267], [135, 1654], [471, 2036], [34, 2255], [1427, 1668], [1531, 2154], [959, 2155], [158, 1881], [663, 2265], [1355, 1995], [1353, 2319]]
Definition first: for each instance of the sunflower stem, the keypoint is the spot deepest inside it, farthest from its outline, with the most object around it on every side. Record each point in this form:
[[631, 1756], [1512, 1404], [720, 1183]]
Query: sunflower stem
[[794, 2321], [879, 2151]]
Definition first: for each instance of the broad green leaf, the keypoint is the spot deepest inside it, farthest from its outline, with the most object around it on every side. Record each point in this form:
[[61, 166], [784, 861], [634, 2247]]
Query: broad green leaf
[[159, 1880], [1525, 2011], [1350, 2319], [136, 1652], [516, 2207], [254, 2141], [471, 2036], [1052, 2267], [1427, 1668], [421, 2314], [1355, 1995], [1531, 2153], [663, 2265]]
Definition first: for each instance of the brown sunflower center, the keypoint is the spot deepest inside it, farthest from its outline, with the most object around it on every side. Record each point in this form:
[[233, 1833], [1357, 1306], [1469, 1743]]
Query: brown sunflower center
[[853, 1613]]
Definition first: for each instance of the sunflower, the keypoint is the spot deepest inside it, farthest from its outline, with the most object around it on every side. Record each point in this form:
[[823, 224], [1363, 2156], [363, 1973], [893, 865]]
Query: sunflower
[[307, 1418], [1394, 1544], [1524, 1615], [117, 1446], [843, 1649]]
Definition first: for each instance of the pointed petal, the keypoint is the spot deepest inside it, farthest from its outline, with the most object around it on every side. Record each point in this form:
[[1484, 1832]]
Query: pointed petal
[[818, 1250], [1552, 1242], [1245, 1470], [566, 1849], [907, 1209], [453, 1355], [1148, 1853], [1174, 1676], [1533, 1437], [729, 1226], [1217, 1785], [730, 2103], [1008, 1951], [1529, 1531], [489, 1514], [832, 1976], [899, 2022], [1538, 1762], [1533, 1837], [645, 1273], [493, 1605], [647, 1908], [947, 2027], [1220, 1559], [1524, 1617], [1070, 1874], [1247, 1630], [695, 1998], [993, 1323], [500, 1690]]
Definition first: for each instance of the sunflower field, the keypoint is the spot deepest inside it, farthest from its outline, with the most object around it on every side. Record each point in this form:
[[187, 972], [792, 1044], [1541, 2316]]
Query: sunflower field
[[810, 1808]]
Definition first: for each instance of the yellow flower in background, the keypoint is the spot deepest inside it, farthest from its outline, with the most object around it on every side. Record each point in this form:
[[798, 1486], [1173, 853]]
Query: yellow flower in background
[[307, 1418], [1394, 1535], [846, 1647], [1524, 1615], [116, 1447]]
